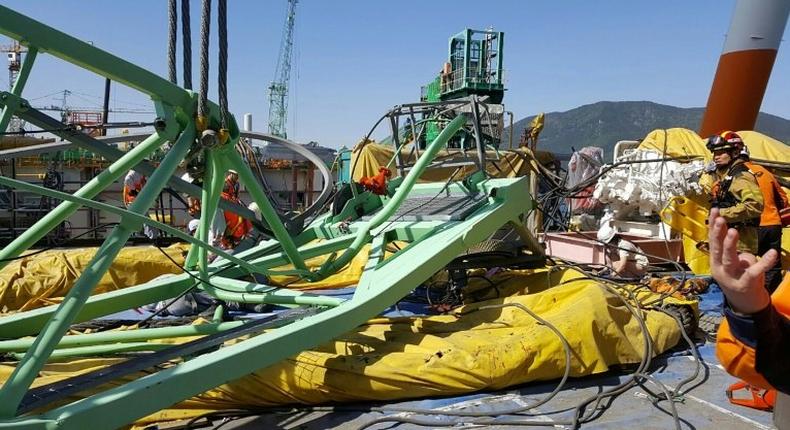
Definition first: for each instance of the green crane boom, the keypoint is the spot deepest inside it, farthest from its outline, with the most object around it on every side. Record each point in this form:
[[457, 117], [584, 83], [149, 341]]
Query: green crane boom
[[278, 90]]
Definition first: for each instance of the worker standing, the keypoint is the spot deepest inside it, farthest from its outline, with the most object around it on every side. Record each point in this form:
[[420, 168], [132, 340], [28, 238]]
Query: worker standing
[[132, 185], [734, 191], [769, 233]]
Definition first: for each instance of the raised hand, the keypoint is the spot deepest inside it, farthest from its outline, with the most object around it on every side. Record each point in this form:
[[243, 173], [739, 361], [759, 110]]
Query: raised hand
[[740, 276]]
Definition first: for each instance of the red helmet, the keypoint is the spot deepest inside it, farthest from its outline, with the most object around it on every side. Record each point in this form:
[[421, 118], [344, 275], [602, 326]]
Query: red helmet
[[732, 137], [727, 140]]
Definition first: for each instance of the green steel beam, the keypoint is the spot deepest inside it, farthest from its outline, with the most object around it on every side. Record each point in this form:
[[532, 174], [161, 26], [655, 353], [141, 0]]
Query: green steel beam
[[269, 214], [212, 187], [250, 292], [30, 322], [64, 210], [128, 216], [19, 85], [363, 235], [32, 33], [115, 336], [377, 290], [106, 349], [26, 371]]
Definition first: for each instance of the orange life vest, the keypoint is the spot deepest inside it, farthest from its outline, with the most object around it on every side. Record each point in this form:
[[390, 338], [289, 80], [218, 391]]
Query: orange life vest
[[774, 197]]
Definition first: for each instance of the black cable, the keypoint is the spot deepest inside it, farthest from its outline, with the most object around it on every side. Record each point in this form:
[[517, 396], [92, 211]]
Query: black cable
[[186, 35], [199, 279], [144, 321], [171, 40], [49, 248], [47, 130]]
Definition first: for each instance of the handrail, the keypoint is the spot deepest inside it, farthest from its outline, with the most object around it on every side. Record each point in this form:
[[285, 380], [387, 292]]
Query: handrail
[[400, 195]]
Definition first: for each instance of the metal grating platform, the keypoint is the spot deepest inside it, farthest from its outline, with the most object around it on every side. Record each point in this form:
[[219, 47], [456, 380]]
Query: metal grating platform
[[436, 208]]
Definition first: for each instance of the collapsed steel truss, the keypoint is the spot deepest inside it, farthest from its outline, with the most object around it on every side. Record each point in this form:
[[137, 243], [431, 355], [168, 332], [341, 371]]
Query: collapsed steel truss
[[433, 242]]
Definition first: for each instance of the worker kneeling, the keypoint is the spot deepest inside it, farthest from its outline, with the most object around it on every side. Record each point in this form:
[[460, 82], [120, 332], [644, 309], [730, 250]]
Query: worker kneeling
[[624, 258]]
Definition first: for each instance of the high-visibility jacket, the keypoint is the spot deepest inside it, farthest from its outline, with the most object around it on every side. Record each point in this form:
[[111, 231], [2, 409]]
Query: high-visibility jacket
[[236, 227], [755, 347], [774, 197], [736, 193]]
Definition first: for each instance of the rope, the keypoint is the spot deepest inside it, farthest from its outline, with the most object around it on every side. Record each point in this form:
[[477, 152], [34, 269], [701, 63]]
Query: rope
[[205, 29], [222, 24], [186, 35], [171, 42]]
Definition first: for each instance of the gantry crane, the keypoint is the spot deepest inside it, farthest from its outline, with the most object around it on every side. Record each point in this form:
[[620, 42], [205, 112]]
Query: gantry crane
[[278, 90]]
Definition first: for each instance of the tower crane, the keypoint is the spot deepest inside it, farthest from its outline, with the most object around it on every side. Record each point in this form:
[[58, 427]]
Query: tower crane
[[14, 51], [278, 90]]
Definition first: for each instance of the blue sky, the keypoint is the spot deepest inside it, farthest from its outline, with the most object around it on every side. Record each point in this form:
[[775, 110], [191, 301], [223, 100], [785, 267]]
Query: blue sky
[[355, 59]]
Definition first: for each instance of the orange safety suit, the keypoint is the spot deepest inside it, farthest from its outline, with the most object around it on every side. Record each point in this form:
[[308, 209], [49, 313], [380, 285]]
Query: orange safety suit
[[769, 233], [236, 227], [774, 197], [755, 347]]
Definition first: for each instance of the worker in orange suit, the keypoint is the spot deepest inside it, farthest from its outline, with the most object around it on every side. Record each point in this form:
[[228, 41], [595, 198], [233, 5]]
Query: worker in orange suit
[[754, 338], [228, 230], [769, 233], [132, 185]]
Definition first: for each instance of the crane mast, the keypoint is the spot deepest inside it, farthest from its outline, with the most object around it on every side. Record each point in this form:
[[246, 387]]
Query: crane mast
[[14, 52], [278, 90]]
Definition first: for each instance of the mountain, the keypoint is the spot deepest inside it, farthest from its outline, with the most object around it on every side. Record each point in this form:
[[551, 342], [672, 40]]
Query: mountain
[[604, 123]]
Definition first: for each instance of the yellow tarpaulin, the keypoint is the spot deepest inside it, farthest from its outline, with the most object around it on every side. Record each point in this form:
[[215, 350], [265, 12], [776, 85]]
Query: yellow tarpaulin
[[688, 215], [44, 279], [468, 350], [509, 163], [348, 276]]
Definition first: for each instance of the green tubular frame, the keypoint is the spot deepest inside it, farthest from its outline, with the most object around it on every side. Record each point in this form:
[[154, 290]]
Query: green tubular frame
[[433, 245]]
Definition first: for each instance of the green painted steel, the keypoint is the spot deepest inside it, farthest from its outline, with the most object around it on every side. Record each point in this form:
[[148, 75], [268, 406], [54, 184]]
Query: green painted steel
[[267, 210], [19, 85], [248, 292], [32, 33], [136, 218], [64, 210], [432, 245], [377, 290], [209, 203], [30, 322], [35, 358], [88, 351], [125, 336], [394, 203]]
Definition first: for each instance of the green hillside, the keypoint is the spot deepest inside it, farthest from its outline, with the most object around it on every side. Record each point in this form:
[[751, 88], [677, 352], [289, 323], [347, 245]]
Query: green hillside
[[604, 123]]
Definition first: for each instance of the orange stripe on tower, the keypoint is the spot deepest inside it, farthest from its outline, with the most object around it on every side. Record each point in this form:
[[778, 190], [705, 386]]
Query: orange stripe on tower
[[737, 92], [745, 65]]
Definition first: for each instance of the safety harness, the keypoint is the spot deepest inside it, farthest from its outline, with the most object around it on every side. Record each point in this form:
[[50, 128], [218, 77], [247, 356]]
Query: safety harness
[[724, 198]]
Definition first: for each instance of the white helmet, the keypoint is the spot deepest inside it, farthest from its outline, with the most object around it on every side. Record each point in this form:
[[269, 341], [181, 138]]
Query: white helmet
[[193, 226], [255, 209], [607, 232]]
